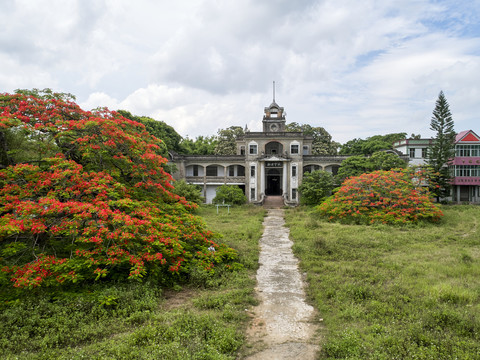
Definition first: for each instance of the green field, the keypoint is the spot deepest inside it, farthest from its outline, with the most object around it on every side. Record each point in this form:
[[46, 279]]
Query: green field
[[393, 292], [205, 320]]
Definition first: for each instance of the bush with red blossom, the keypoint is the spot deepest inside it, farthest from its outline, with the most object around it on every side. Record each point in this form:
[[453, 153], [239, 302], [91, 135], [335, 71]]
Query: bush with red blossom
[[387, 197]]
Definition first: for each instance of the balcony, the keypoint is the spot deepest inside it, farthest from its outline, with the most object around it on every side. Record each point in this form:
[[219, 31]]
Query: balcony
[[234, 180]]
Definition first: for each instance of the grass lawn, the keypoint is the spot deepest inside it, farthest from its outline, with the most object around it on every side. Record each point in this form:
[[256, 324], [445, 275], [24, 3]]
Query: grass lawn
[[205, 320], [393, 292]]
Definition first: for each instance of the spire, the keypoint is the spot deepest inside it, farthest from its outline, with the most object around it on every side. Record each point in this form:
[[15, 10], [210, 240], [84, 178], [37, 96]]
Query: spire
[[274, 92]]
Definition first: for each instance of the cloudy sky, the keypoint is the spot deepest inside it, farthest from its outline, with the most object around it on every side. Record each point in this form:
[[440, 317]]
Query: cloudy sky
[[357, 68]]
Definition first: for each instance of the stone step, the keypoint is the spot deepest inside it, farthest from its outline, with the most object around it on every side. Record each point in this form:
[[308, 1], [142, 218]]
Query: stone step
[[273, 202]]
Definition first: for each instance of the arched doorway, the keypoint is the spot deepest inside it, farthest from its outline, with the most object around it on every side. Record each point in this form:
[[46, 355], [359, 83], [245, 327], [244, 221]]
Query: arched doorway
[[273, 182]]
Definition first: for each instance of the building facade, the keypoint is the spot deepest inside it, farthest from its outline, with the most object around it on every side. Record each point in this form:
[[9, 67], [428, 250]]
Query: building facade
[[415, 149], [464, 167], [267, 163]]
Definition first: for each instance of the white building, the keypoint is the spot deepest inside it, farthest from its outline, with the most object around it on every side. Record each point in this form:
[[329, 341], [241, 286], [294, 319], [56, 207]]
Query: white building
[[415, 149], [268, 163]]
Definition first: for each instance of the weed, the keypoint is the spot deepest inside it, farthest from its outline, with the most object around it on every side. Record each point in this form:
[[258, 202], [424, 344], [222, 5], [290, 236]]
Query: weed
[[108, 301], [407, 292], [118, 320]]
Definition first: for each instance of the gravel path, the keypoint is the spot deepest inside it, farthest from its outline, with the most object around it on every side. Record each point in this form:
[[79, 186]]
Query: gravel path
[[281, 328]]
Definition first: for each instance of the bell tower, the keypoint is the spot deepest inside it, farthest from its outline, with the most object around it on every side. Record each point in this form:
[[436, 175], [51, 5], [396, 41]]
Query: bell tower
[[274, 117]]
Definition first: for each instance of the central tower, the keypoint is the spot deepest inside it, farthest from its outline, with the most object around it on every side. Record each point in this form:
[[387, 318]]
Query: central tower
[[274, 116]]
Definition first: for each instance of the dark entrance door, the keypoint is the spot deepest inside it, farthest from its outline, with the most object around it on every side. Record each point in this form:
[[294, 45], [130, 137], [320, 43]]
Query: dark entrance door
[[464, 193], [274, 182]]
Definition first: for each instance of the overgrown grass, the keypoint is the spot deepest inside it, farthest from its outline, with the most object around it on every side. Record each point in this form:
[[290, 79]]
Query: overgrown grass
[[394, 292], [204, 320]]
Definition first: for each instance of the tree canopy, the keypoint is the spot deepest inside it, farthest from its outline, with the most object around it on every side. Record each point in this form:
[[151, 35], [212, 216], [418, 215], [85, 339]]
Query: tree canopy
[[371, 144], [322, 140], [86, 197], [159, 129], [229, 194], [227, 138], [443, 148], [202, 145], [315, 187], [46, 94], [359, 164]]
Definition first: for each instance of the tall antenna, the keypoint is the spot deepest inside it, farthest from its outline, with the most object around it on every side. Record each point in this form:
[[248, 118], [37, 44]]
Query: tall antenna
[[274, 91]]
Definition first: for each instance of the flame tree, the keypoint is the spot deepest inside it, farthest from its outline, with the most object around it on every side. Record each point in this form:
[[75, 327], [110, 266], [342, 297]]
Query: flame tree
[[85, 196], [397, 196]]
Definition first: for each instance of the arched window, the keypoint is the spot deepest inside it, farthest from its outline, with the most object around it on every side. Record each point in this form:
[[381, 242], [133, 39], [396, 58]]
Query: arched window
[[310, 168], [273, 148], [215, 170]]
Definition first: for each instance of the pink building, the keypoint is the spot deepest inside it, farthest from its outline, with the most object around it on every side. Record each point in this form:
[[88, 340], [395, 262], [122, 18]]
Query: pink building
[[466, 168]]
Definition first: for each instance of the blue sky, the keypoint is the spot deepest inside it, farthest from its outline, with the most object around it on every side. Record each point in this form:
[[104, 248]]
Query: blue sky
[[357, 68]]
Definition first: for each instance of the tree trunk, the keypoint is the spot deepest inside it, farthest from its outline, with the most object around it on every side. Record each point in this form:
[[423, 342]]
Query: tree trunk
[[5, 159]]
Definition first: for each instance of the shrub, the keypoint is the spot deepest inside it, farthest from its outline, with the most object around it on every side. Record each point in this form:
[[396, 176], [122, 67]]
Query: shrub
[[315, 187], [388, 197], [102, 207], [229, 194], [190, 192]]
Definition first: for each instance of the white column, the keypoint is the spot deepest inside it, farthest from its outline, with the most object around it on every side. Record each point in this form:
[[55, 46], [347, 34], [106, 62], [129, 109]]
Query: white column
[[262, 177], [205, 182], [284, 179]]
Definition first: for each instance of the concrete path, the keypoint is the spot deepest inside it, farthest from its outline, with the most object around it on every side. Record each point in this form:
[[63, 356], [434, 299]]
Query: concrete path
[[281, 328]]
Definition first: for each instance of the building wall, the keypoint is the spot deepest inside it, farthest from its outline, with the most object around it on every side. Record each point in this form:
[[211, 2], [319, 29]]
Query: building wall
[[415, 149], [465, 166]]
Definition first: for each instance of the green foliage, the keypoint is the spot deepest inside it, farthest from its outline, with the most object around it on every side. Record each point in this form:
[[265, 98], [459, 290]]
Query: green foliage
[[315, 187], [354, 166], [229, 194], [322, 140], [358, 164], [46, 320], [192, 193], [382, 160], [202, 145], [20, 146], [443, 148], [157, 128], [227, 140], [46, 94], [371, 144], [392, 292], [387, 197]]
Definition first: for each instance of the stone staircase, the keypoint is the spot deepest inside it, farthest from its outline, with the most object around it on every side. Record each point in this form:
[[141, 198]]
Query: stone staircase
[[273, 202]]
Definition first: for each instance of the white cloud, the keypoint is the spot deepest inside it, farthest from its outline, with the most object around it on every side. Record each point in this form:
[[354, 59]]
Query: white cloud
[[356, 68], [100, 99]]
